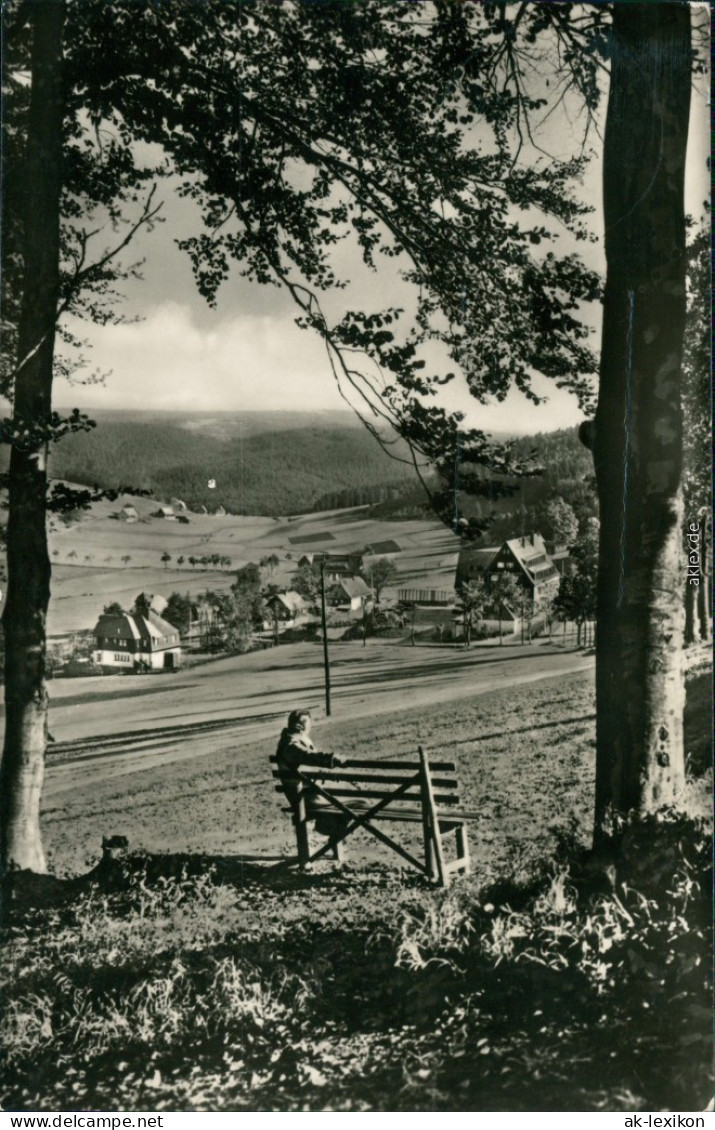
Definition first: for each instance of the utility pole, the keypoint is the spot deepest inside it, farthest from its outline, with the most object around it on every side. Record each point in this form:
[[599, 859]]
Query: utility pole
[[326, 660]]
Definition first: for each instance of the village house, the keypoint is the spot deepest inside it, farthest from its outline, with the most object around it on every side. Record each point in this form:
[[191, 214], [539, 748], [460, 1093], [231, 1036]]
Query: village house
[[473, 563], [128, 513], [343, 565], [286, 607], [527, 560], [563, 561], [166, 512], [349, 593], [136, 641], [337, 565]]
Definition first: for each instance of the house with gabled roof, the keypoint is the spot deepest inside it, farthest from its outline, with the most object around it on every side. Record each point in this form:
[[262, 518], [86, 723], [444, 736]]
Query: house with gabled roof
[[349, 592], [136, 641], [336, 565], [473, 563], [287, 607], [527, 560]]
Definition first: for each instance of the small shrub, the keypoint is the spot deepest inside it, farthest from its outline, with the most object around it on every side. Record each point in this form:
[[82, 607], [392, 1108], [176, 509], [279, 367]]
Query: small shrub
[[79, 668]]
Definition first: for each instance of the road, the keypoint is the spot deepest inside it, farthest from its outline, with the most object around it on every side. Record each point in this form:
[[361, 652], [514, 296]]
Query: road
[[108, 728]]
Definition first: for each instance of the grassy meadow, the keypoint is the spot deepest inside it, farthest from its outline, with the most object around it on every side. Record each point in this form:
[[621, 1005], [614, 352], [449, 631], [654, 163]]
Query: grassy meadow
[[200, 972]]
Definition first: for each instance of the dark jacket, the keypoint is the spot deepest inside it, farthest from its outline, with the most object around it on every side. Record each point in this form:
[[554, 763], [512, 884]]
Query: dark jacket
[[294, 751]]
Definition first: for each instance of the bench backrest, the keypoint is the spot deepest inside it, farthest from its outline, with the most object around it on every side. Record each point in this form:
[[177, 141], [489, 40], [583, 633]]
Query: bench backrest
[[373, 779]]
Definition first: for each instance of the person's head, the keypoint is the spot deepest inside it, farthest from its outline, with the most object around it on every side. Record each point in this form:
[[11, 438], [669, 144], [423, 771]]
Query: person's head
[[300, 721]]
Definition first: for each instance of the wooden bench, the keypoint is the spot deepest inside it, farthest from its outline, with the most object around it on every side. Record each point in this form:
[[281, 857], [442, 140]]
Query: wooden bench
[[364, 792]]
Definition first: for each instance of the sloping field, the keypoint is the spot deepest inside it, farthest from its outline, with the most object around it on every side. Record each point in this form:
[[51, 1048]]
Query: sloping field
[[525, 762], [90, 566], [79, 593]]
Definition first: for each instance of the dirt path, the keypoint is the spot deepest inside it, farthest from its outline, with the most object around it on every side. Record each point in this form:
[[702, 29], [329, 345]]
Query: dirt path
[[104, 733]]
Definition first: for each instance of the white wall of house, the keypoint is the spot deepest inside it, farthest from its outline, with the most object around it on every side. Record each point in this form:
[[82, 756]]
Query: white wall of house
[[114, 658], [125, 660]]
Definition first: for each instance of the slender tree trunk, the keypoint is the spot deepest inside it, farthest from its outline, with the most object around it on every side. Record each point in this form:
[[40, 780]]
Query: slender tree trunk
[[638, 426], [689, 629], [704, 594], [24, 618]]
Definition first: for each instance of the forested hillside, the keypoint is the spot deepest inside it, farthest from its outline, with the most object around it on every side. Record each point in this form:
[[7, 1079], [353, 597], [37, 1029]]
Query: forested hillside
[[284, 463], [299, 465], [515, 506]]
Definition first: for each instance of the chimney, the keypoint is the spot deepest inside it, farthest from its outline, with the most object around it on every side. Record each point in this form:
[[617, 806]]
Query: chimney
[[532, 539]]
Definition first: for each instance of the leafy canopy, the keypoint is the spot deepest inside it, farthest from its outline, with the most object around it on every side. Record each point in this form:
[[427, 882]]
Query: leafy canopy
[[346, 146]]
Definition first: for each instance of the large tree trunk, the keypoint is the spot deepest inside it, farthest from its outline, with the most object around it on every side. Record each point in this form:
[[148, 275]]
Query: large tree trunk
[[22, 769], [638, 427]]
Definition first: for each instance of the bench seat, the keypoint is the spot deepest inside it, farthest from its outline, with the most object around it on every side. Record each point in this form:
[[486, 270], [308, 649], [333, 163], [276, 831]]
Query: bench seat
[[365, 792], [407, 815]]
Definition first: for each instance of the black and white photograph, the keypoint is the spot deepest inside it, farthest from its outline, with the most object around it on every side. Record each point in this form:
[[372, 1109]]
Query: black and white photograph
[[356, 558]]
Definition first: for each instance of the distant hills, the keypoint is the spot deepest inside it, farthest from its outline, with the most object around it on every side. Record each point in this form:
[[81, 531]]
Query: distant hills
[[269, 463], [278, 463]]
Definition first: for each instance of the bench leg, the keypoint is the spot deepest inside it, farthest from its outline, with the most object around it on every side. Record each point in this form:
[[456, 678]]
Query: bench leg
[[301, 835], [338, 851], [430, 859]]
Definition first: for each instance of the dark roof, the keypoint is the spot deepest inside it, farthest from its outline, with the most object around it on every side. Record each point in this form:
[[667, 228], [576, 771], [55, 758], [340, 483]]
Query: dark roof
[[530, 552], [352, 586], [130, 625], [291, 600], [379, 547]]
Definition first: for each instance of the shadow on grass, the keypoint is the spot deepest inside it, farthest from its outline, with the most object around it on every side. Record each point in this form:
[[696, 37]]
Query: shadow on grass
[[349, 990]]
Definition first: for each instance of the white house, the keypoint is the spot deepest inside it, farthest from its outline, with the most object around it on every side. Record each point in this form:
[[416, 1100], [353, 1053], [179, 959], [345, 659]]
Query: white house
[[165, 512], [133, 642]]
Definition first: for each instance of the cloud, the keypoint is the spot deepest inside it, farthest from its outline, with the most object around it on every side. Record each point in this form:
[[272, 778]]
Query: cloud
[[255, 362], [170, 361]]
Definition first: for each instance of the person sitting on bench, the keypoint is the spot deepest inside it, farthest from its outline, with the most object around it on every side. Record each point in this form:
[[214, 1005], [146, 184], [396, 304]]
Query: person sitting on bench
[[295, 748]]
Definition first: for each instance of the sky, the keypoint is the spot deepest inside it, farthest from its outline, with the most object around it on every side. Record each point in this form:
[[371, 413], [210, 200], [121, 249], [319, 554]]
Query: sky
[[248, 354]]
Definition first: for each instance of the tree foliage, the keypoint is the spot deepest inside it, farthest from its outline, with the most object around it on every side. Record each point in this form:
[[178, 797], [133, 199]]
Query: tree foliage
[[178, 612], [106, 197], [306, 582], [348, 137], [380, 573], [472, 598], [560, 523], [576, 597]]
